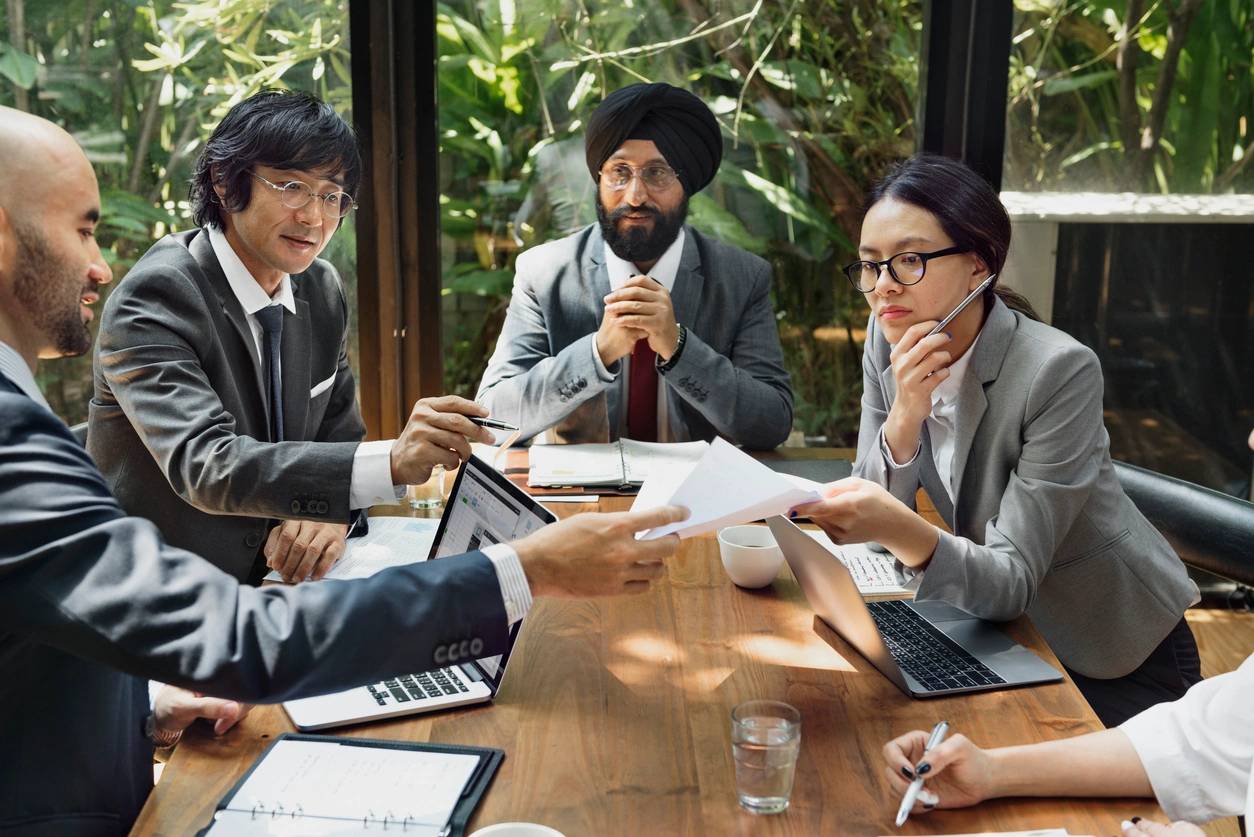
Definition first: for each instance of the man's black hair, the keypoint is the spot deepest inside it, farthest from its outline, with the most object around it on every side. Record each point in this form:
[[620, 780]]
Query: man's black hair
[[283, 129]]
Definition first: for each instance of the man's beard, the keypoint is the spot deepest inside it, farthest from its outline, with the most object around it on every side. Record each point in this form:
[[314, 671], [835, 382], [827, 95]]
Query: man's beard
[[49, 291], [638, 244]]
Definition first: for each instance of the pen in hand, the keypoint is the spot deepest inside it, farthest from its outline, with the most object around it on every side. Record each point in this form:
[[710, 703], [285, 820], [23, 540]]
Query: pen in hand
[[912, 793], [494, 424]]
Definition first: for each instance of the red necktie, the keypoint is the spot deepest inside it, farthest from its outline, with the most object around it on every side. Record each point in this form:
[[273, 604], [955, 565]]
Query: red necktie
[[642, 394]]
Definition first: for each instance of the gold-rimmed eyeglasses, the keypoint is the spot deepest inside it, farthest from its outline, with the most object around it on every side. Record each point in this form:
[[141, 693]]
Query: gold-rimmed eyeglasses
[[655, 178], [296, 194]]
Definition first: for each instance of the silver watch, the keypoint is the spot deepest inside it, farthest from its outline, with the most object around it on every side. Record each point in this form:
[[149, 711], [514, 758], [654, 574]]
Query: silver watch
[[161, 739]]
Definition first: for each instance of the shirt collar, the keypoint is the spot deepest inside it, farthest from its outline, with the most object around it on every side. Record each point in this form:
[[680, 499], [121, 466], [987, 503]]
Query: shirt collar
[[946, 391], [250, 295], [13, 367], [663, 272]]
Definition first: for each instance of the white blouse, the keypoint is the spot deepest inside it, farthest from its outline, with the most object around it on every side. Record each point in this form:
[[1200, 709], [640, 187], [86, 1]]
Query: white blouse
[[1198, 750]]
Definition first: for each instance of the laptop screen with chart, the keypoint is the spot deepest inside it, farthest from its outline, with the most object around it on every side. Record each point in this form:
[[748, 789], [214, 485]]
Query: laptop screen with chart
[[484, 508]]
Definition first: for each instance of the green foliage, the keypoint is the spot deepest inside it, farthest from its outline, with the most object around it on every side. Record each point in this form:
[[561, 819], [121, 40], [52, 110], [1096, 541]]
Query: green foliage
[[1066, 129]]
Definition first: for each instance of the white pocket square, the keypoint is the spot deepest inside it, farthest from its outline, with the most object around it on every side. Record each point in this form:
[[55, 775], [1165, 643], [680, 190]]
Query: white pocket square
[[322, 387]]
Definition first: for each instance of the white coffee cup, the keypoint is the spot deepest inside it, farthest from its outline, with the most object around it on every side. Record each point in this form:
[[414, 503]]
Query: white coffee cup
[[750, 555], [517, 829]]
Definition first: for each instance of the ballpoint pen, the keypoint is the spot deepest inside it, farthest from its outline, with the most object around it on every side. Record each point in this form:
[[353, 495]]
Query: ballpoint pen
[[494, 424], [983, 286], [912, 792]]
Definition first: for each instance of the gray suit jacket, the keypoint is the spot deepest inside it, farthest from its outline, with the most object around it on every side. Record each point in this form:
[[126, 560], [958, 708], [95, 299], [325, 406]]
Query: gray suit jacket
[[179, 423], [1040, 523], [91, 601], [729, 381]]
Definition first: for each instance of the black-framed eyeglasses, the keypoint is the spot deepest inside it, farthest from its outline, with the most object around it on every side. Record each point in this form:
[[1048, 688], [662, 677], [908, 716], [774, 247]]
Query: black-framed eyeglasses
[[295, 194], [906, 268], [655, 178]]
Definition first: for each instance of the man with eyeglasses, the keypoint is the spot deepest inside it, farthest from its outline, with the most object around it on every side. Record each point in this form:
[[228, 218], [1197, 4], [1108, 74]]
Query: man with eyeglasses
[[225, 410], [639, 326]]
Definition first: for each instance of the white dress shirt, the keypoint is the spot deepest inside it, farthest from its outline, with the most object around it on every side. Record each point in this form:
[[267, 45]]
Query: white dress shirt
[[14, 367], [1198, 750], [941, 423], [371, 480], [664, 273]]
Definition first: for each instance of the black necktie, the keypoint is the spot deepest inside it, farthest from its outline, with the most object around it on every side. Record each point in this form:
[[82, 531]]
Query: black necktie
[[271, 319]]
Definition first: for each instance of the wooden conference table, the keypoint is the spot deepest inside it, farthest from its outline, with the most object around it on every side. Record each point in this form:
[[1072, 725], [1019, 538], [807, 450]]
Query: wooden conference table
[[614, 718]]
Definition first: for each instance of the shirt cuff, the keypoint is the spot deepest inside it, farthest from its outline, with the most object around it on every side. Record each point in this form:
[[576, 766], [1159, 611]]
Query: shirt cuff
[[515, 591], [603, 373], [371, 482], [888, 454]]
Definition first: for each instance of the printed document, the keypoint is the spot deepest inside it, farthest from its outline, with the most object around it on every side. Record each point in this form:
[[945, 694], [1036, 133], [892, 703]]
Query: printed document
[[622, 464], [391, 542]]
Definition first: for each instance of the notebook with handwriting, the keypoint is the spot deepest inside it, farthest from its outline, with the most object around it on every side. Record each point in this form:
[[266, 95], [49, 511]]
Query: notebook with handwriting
[[324, 785]]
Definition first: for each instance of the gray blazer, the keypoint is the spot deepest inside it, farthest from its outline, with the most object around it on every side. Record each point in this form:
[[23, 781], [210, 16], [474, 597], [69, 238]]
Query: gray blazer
[[729, 381], [92, 602], [1040, 524], [179, 423]]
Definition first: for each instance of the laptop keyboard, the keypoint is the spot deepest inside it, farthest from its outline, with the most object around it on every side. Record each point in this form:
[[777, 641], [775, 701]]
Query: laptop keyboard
[[425, 686], [922, 650]]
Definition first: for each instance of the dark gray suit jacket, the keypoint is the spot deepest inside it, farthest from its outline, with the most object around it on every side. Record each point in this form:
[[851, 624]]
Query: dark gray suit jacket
[[1040, 523], [730, 380], [92, 602], [179, 423]]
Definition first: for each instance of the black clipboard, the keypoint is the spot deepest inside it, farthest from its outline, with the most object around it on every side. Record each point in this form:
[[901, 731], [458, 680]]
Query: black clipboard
[[485, 771]]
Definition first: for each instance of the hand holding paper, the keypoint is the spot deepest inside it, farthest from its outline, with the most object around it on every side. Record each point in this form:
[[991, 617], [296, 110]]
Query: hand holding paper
[[726, 487]]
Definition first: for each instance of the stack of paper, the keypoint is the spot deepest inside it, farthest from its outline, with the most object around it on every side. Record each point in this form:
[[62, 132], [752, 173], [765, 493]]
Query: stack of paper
[[622, 464], [726, 487], [391, 542]]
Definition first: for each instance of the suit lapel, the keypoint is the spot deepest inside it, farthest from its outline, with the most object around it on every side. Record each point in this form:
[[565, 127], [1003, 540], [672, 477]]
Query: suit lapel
[[689, 281], [985, 366], [202, 252], [296, 352], [596, 280]]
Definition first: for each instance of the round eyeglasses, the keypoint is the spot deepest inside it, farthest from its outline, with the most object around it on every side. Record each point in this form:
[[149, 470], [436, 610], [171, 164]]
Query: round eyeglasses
[[296, 194], [905, 268], [655, 178]]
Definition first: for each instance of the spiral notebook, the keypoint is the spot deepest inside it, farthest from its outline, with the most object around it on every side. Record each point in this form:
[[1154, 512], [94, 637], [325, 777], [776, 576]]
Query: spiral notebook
[[328, 785]]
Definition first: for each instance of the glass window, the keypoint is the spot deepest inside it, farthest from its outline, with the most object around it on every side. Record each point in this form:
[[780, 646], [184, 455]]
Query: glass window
[[1127, 170], [814, 100], [141, 86]]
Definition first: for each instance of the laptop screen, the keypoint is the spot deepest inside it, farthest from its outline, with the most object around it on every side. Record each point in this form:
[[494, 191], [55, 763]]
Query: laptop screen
[[486, 508]]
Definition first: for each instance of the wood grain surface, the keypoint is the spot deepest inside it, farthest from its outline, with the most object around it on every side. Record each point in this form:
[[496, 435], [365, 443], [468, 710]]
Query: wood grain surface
[[614, 717]]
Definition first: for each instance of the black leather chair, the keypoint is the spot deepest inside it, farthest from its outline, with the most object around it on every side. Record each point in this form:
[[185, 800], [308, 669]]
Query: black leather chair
[[1208, 529]]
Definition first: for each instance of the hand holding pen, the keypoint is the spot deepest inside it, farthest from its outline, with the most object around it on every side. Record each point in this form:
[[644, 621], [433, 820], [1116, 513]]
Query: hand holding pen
[[957, 772]]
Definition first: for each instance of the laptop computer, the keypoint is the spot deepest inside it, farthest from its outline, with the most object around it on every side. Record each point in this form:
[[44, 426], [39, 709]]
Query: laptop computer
[[484, 508], [927, 649]]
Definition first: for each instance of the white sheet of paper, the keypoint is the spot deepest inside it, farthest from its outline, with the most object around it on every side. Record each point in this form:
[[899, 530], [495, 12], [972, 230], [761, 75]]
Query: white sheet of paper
[[391, 542], [330, 787], [644, 459], [873, 572], [575, 465], [726, 487]]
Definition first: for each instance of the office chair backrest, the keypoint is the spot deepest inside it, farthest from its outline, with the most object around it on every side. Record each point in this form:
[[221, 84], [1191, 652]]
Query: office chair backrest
[[1208, 529]]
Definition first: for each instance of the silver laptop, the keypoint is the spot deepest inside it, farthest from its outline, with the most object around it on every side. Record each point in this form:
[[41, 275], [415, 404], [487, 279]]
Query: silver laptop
[[484, 508], [926, 648]]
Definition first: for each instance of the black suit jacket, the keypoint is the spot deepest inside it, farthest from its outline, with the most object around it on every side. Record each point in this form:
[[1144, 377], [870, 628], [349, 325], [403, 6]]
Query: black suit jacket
[[93, 602], [179, 421]]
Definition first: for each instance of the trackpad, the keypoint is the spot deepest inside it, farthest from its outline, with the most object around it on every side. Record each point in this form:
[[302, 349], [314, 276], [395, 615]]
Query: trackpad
[[937, 611]]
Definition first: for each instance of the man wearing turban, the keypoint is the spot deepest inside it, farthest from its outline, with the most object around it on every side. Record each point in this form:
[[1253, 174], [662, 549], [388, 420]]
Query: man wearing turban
[[639, 326]]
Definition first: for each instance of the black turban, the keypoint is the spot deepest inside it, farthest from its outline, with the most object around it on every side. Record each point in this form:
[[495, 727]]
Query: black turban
[[677, 122]]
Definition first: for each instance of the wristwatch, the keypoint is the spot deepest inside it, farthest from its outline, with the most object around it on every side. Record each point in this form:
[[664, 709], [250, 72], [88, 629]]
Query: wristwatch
[[161, 739], [679, 349]]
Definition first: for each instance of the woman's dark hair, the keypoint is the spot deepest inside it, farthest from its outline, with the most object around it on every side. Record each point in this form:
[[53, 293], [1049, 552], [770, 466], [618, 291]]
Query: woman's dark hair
[[967, 208], [276, 128]]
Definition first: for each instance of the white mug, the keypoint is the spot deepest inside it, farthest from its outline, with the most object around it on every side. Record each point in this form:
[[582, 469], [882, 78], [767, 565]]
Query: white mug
[[750, 555], [517, 829]]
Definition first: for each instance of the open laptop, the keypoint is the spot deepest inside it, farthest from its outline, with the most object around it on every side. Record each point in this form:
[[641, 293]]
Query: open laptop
[[484, 508], [926, 648]]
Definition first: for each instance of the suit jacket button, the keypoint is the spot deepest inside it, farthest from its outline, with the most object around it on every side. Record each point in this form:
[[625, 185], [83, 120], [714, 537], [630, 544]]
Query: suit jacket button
[[252, 540], [295, 507], [323, 507]]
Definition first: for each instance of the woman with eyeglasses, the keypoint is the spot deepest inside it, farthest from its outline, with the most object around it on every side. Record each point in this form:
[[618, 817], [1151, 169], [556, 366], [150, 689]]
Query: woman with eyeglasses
[[999, 418]]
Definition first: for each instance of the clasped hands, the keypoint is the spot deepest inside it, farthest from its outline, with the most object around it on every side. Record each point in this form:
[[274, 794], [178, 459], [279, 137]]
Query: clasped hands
[[640, 310]]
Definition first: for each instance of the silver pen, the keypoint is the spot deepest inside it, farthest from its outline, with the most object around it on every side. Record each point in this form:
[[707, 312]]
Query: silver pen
[[912, 793], [961, 305]]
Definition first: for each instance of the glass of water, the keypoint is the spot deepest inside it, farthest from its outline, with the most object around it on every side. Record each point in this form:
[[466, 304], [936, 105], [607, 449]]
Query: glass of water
[[766, 737]]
